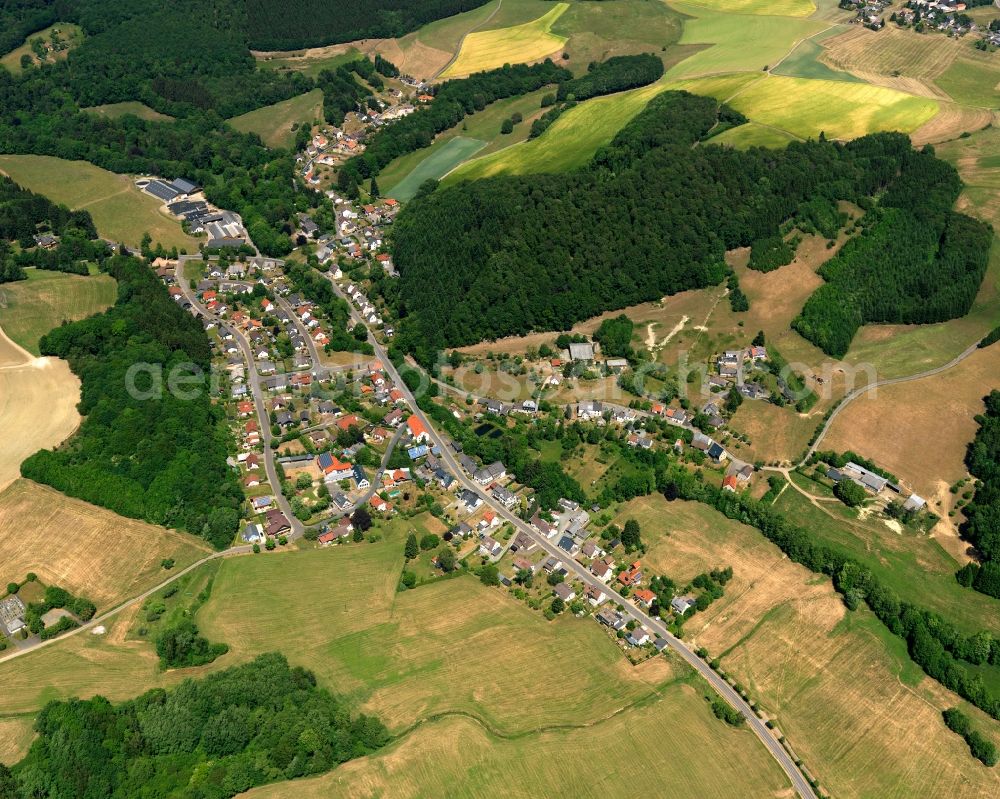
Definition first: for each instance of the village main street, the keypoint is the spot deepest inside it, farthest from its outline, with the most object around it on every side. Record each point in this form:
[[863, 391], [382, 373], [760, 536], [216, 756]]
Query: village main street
[[759, 728]]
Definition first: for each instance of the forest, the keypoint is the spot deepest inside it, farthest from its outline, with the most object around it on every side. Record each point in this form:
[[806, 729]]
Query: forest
[[294, 24], [651, 216], [179, 60], [981, 527], [24, 214], [915, 262], [614, 75], [212, 738], [152, 445]]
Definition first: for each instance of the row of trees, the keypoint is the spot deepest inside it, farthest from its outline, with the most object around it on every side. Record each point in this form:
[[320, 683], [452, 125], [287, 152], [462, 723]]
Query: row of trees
[[152, 445], [933, 643], [214, 737], [453, 101], [616, 74], [294, 24], [980, 746], [982, 515]]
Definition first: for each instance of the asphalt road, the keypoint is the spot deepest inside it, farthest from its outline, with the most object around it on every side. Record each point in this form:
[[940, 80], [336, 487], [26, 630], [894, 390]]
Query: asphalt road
[[263, 418], [858, 392], [787, 764]]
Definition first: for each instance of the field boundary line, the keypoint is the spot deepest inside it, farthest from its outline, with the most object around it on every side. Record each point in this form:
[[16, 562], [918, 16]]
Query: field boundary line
[[461, 42]]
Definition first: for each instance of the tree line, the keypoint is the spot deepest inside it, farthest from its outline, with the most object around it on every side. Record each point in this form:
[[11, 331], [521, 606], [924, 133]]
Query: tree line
[[515, 253], [24, 214], [144, 450], [453, 101], [981, 527], [214, 738], [616, 74], [933, 642], [295, 24]]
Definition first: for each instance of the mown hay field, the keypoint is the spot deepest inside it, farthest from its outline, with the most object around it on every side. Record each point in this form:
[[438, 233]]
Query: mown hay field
[[82, 548], [861, 716], [274, 123], [518, 44], [133, 107], [901, 59], [15, 738], [899, 425], [452, 646], [121, 212], [740, 42], [839, 109], [673, 745], [38, 399], [31, 308]]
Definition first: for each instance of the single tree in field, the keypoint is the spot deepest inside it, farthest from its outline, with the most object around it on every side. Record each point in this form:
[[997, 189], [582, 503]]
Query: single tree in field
[[631, 538], [446, 559], [412, 548]]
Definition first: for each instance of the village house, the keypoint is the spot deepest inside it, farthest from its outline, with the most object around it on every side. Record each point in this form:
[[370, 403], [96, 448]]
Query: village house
[[490, 547], [564, 592], [594, 595], [632, 576]]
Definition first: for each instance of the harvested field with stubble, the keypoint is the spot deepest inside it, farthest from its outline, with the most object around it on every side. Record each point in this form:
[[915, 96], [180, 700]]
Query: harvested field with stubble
[[456, 757], [38, 398], [16, 735], [863, 718], [518, 44], [899, 425], [82, 548], [893, 57]]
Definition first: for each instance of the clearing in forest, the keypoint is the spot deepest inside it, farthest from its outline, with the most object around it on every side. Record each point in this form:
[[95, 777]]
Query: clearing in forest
[[275, 124], [121, 212]]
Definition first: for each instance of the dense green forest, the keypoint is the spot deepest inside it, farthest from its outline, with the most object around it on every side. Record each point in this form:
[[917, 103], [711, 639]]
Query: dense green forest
[[182, 59], [982, 515], [614, 75], [210, 738], [21, 18], [453, 101], [157, 452], [292, 24], [915, 262], [24, 214], [511, 254]]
